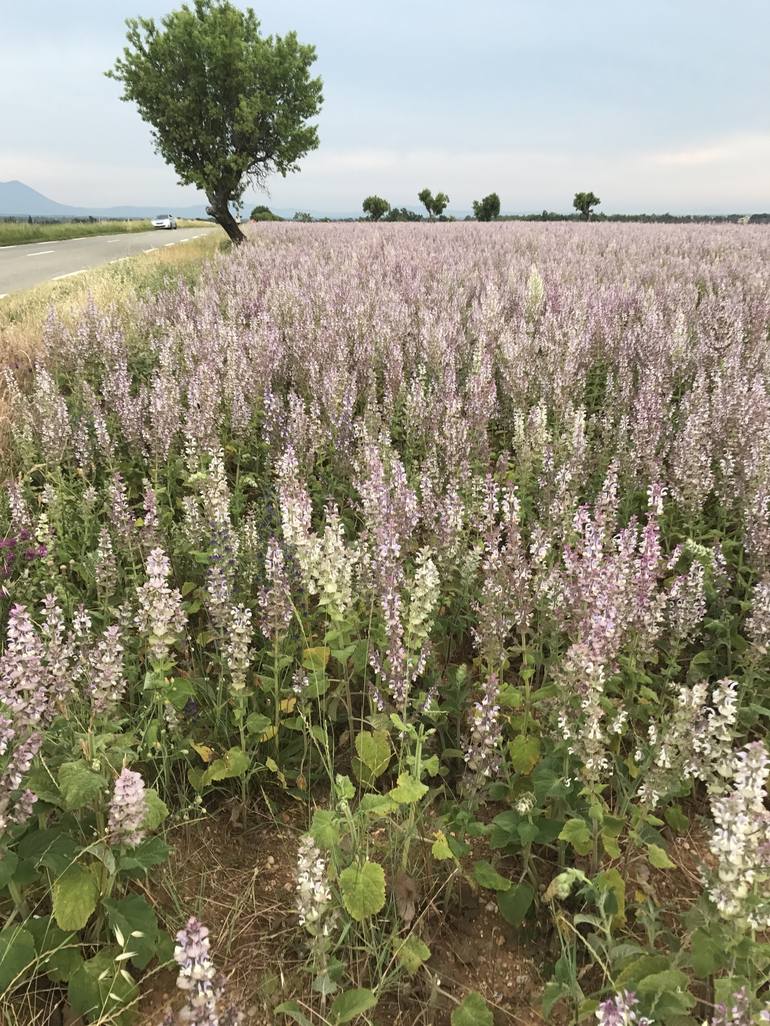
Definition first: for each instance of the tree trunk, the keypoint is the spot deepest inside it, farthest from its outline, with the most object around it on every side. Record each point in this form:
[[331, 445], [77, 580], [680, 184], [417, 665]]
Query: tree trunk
[[220, 210]]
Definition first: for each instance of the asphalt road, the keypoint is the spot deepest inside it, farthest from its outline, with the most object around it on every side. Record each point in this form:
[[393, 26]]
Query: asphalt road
[[22, 267]]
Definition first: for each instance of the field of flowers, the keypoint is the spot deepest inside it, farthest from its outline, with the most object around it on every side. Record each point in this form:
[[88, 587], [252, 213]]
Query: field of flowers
[[444, 552]]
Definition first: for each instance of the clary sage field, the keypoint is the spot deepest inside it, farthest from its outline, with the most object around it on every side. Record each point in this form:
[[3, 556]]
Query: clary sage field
[[448, 545]]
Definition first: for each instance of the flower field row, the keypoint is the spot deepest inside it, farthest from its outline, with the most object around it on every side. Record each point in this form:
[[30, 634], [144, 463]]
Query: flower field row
[[457, 536]]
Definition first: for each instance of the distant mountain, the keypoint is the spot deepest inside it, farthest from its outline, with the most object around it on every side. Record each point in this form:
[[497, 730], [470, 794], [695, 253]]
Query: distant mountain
[[19, 200]]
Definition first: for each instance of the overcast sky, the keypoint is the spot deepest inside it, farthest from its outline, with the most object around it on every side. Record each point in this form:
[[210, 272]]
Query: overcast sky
[[654, 104]]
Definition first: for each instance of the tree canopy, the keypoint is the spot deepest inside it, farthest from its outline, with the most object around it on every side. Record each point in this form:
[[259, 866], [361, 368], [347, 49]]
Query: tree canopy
[[376, 207], [227, 106], [488, 208], [584, 203], [435, 205]]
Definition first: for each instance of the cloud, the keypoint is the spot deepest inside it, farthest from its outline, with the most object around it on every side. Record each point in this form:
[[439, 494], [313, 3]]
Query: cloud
[[739, 150]]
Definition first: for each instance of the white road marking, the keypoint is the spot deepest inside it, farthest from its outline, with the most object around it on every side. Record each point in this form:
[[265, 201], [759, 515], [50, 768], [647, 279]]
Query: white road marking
[[169, 244], [41, 253], [119, 260], [3, 295], [58, 277], [110, 241], [151, 250], [50, 242]]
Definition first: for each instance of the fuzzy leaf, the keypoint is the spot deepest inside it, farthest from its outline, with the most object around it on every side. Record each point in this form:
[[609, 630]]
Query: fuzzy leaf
[[157, 810], [75, 894], [233, 763], [408, 790], [440, 848], [363, 889], [79, 785], [576, 833], [350, 1004], [525, 753], [658, 857], [515, 903], [485, 874], [411, 953], [474, 1011], [17, 954], [373, 749]]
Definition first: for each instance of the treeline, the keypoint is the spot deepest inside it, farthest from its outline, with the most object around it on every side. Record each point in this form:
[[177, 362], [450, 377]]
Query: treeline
[[551, 215]]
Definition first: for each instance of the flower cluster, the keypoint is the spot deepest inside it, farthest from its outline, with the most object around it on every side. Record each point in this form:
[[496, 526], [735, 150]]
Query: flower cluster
[[620, 1010], [197, 977], [128, 810], [313, 895], [161, 618]]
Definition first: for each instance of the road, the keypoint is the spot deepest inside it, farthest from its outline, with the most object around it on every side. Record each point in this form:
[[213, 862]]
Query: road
[[22, 267]]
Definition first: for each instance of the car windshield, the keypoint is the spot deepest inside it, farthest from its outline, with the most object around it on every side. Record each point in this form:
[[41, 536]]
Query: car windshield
[[161, 217]]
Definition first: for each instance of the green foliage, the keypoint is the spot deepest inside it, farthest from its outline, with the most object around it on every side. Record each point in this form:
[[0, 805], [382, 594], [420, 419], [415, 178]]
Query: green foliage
[[488, 208], [474, 1011], [363, 889], [263, 213], [584, 203], [227, 106], [376, 207]]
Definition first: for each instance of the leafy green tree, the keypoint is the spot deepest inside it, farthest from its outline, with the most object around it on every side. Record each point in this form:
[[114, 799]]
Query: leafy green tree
[[376, 207], [487, 209], [227, 106], [426, 198], [302, 215], [440, 203], [263, 213], [583, 203]]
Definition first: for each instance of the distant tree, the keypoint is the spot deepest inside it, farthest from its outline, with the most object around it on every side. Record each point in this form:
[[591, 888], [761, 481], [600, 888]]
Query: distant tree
[[227, 105], [426, 198], [583, 203], [376, 207], [262, 213], [440, 203], [402, 214], [302, 215], [435, 205], [487, 209]]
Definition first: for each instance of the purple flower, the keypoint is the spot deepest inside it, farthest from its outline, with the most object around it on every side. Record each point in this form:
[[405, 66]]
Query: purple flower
[[128, 810]]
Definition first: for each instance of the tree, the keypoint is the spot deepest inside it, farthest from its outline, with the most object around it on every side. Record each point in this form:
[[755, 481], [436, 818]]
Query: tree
[[263, 213], [440, 203], [303, 216], [426, 198], [435, 205], [583, 203], [227, 106], [487, 209], [376, 207]]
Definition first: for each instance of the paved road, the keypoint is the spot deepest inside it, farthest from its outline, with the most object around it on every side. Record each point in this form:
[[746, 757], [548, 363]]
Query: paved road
[[22, 267]]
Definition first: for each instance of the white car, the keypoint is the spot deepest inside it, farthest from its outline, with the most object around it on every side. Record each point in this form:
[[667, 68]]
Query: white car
[[164, 221]]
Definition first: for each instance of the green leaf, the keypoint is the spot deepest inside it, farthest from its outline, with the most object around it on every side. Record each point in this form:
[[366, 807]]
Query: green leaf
[[363, 889], [153, 851], [316, 658], [525, 753], [133, 915], [658, 857], [485, 874], [75, 893], [233, 763], [377, 805], [663, 982], [707, 954], [98, 990], [411, 953], [157, 810], [408, 790], [676, 819], [577, 833], [58, 950], [344, 787], [324, 829], [292, 1009], [257, 723], [373, 749], [440, 848], [9, 860], [79, 785], [17, 955], [610, 880], [515, 903], [474, 1011], [350, 1004]]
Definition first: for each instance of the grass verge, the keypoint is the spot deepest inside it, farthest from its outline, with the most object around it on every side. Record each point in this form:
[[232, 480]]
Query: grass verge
[[18, 233]]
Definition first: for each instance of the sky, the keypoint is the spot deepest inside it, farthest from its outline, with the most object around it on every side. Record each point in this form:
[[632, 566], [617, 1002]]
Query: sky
[[655, 105]]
